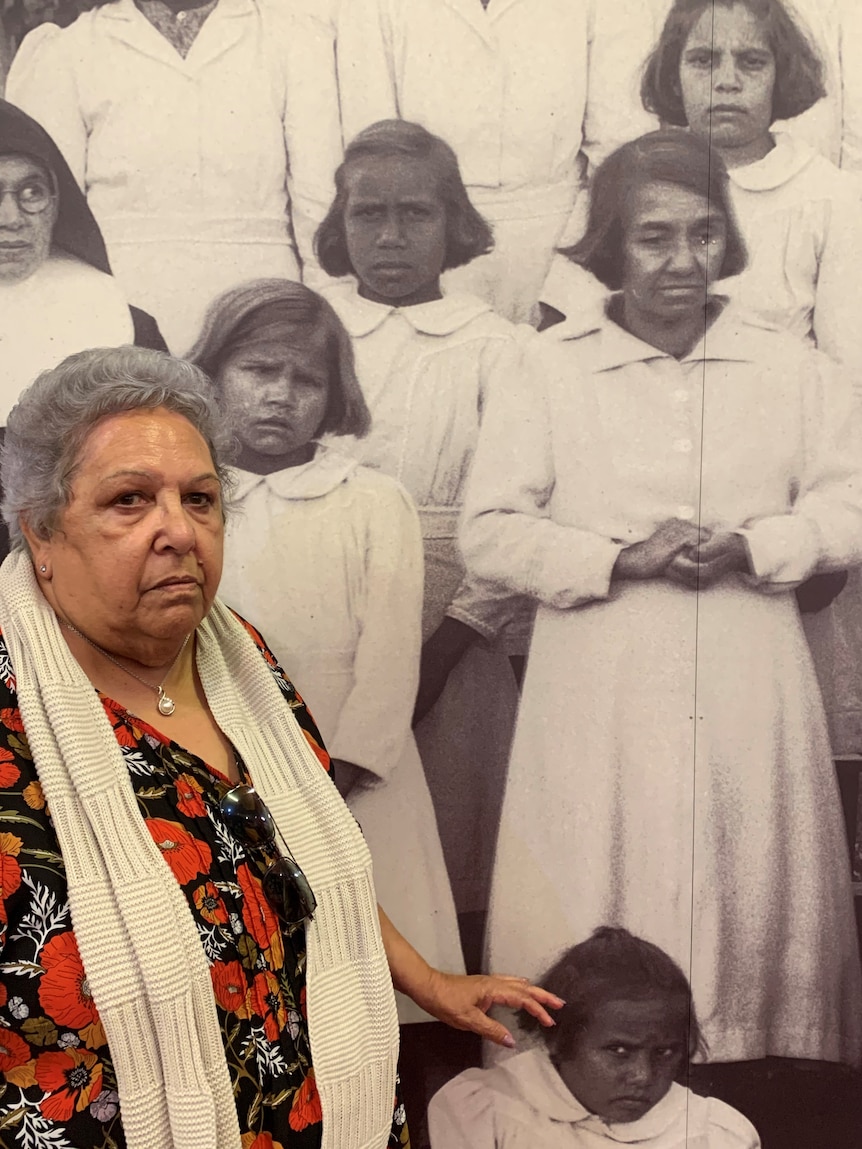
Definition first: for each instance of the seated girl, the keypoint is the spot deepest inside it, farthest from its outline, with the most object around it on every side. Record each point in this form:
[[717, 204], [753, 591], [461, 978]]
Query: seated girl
[[606, 1073], [425, 361], [328, 554]]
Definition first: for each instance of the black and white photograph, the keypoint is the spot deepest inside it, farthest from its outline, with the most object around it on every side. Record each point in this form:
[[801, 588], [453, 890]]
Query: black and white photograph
[[430, 574]]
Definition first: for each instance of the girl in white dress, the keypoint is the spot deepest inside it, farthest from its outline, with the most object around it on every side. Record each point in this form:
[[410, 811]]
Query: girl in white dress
[[660, 479], [728, 74], [606, 1074], [425, 362], [329, 555]]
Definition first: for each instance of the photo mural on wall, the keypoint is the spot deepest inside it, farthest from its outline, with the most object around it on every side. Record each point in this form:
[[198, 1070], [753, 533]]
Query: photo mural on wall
[[536, 326]]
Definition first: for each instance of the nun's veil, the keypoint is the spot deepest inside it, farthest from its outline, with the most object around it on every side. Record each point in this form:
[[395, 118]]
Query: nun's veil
[[76, 230]]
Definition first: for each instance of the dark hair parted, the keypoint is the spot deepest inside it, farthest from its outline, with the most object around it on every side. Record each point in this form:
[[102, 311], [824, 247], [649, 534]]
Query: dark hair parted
[[268, 309], [612, 965], [669, 157], [798, 67], [468, 235]]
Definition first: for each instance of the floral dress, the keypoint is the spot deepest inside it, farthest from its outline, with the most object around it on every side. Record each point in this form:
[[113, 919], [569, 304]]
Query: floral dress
[[58, 1087]]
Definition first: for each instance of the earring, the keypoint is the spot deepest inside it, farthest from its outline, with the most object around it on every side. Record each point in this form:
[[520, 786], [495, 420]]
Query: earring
[[43, 568]]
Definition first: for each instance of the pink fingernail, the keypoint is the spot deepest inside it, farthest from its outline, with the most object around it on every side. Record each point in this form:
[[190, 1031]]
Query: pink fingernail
[[509, 1041]]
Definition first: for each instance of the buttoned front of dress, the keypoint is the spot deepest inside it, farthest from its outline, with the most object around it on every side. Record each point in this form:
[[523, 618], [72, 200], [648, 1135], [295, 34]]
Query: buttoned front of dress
[[671, 746]]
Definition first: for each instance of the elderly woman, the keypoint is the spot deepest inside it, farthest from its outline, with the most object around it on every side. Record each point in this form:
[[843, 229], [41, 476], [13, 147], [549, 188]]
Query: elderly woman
[[192, 951], [659, 480], [204, 134]]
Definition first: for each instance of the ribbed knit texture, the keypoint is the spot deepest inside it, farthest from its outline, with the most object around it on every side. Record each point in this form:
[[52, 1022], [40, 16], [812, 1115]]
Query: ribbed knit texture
[[144, 962]]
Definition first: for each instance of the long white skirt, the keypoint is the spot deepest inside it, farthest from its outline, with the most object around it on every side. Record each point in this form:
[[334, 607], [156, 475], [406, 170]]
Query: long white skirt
[[671, 773]]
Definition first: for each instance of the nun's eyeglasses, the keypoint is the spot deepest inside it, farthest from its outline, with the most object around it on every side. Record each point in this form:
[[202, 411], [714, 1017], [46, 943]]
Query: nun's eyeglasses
[[32, 196], [286, 887]]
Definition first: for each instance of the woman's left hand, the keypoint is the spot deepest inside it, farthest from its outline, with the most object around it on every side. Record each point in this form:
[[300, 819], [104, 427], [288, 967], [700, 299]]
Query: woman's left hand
[[708, 563], [463, 1002]]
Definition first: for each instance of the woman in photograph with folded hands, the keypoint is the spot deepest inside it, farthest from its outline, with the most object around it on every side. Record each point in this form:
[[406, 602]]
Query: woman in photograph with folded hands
[[660, 478]]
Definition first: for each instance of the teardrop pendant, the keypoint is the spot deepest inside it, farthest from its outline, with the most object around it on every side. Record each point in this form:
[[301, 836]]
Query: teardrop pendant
[[166, 705]]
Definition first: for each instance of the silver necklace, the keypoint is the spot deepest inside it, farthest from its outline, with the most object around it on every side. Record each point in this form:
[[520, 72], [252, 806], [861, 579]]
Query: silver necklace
[[165, 704]]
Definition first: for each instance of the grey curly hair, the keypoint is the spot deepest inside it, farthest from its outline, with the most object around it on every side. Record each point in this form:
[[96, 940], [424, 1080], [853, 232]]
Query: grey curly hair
[[47, 428]]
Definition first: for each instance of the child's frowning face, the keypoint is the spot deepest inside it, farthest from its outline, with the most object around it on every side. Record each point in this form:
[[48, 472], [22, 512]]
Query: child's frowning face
[[276, 397], [626, 1059], [395, 227]]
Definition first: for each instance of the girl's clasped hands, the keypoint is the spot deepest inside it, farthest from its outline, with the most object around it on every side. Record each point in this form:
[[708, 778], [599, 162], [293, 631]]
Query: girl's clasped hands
[[685, 553]]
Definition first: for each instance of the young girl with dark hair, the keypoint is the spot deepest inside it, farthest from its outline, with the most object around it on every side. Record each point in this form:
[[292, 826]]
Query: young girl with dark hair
[[607, 1073], [329, 554], [425, 361]]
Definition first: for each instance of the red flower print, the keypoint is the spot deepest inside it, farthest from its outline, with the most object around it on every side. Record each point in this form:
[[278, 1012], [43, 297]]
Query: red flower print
[[10, 871], [16, 1065], [9, 772], [306, 1105], [72, 1079], [302, 1003], [258, 916], [208, 901], [229, 987], [64, 990], [265, 1001], [189, 792], [11, 719], [187, 857], [126, 733], [14, 1050], [3, 995]]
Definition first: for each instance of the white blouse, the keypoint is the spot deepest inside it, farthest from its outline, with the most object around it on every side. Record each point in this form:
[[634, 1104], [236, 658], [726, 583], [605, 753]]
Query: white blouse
[[426, 372], [346, 618], [547, 517], [802, 222], [523, 1103]]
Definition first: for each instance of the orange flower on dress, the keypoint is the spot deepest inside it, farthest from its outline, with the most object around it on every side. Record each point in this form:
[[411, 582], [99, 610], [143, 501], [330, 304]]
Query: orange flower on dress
[[34, 796], [14, 1050], [189, 792], [265, 1001], [187, 856], [306, 1105], [229, 987], [9, 772], [64, 991], [72, 1078], [209, 904]]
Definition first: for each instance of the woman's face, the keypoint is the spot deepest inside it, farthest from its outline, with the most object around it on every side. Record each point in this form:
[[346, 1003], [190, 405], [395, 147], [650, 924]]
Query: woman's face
[[395, 224], [626, 1059], [136, 557], [25, 238], [727, 76], [673, 249], [276, 397]]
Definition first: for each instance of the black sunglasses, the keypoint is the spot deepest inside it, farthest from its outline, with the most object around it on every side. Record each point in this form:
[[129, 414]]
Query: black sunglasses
[[286, 887]]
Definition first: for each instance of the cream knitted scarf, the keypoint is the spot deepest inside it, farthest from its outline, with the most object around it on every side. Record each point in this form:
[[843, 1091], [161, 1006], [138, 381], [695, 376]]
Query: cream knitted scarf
[[145, 965]]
